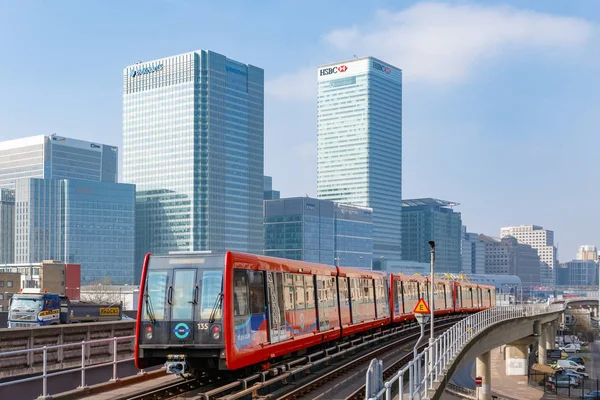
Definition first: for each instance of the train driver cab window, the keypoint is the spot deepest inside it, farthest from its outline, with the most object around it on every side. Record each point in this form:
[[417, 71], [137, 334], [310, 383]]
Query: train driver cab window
[[257, 292], [240, 293]]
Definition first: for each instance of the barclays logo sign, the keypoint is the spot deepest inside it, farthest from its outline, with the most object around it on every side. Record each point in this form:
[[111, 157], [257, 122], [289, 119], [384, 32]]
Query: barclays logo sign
[[146, 70], [236, 71]]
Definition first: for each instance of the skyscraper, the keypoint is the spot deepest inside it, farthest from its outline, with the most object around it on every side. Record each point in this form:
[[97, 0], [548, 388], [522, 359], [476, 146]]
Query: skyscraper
[[472, 251], [587, 252], [543, 241], [359, 121], [193, 140]]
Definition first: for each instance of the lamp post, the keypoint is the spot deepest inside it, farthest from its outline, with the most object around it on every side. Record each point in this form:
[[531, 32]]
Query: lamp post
[[431, 297]]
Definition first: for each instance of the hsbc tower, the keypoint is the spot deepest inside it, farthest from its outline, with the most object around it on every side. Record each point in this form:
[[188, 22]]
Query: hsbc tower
[[359, 122]]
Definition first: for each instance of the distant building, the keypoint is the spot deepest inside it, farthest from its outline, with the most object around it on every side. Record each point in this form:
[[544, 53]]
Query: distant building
[[472, 252], [402, 267], [56, 157], [587, 252], [81, 222], [302, 228], [49, 275], [543, 241], [359, 143], [125, 294], [507, 256], [10, 283], [432, 219], [7, 226], [270, 194], [66, 204], [577, 273]]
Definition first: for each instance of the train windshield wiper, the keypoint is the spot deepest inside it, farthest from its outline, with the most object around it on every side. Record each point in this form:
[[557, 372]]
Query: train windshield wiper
[[149, 308], [216, 307]]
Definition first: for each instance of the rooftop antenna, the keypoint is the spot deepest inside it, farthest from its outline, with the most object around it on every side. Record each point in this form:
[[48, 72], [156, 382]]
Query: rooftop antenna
[[355, 56]]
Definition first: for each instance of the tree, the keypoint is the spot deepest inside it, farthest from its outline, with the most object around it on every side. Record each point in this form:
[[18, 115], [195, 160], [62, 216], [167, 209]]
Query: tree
[[101, 292]]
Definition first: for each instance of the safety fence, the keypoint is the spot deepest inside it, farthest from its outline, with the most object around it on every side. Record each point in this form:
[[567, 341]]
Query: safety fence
[[430, 365], [566, 384]]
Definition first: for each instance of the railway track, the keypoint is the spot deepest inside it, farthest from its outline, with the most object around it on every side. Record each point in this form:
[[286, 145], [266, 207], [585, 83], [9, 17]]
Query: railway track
[[306, 376], [335, 387]]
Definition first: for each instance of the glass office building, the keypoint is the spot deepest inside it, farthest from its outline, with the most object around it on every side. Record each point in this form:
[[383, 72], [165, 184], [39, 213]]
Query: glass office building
[[359, 118], [319, 231], [56, 157], [432, 219], [76, 221], [193, 139], [7, 226]]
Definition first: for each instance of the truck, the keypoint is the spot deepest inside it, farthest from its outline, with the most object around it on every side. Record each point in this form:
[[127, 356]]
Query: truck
[[34, 308]]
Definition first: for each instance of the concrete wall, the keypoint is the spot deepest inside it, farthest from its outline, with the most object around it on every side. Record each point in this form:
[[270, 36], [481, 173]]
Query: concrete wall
[[58, 359]]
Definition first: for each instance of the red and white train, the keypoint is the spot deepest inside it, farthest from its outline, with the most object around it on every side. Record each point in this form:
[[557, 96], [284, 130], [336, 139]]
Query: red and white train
[[208, 312]]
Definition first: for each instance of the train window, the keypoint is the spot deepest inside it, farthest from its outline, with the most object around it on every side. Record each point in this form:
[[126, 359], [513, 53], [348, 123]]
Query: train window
[[343, 290], [184, 281], [300, 295], [309, 287], [240, 293], [212, 285], [288, 289], [448, 290], [381, 300], [156, 292], [257, 292]]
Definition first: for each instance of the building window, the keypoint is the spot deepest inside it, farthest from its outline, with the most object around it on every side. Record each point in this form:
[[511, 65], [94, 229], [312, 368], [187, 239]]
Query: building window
[[1, 297], [1, 283], [9, 283]]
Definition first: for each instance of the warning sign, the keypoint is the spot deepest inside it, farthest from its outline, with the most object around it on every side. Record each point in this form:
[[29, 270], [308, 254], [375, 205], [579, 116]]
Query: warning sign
[[421, 307]]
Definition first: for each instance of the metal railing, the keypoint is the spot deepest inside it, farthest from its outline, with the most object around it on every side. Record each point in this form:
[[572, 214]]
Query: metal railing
[[433, 362], [85, 365]]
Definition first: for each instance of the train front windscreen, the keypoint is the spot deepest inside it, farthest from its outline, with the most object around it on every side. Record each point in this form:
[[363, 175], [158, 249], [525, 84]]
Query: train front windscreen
[[182, 301]]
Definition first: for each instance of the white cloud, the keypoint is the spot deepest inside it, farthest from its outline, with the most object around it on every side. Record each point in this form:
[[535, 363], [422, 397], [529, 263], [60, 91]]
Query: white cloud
[[441, 43], [299, 85]]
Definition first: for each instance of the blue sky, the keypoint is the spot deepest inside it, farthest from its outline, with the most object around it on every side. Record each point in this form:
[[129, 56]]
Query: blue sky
[[501, 99]]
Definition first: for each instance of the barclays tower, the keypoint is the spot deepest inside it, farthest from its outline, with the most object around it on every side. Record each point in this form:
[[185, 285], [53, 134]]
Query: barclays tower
[[193, 143]]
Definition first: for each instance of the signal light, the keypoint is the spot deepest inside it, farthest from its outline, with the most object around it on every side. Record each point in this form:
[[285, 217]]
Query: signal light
[[148, 332], [216, 332]]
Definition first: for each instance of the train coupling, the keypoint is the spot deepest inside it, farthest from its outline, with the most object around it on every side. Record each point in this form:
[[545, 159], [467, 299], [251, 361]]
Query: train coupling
[[176, 364]]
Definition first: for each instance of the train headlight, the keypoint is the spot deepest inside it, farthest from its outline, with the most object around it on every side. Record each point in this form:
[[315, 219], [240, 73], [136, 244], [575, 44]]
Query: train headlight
[[216, 332], [148, 332]]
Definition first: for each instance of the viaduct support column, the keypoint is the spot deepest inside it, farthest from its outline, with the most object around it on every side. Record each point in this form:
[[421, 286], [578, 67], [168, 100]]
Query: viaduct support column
[[542, 339], [516, 356], [483, 368]]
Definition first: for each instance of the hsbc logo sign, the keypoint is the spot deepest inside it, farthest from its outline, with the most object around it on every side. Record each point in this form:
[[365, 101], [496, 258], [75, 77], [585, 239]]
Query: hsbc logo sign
[[334, 70], [381, 68]]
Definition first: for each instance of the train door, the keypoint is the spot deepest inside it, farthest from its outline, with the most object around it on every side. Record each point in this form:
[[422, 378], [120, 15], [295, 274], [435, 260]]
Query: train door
[[182, 298], [277, 327]]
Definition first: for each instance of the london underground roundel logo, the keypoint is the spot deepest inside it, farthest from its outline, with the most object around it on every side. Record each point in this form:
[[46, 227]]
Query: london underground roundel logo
[[181, 330], [342, 68]]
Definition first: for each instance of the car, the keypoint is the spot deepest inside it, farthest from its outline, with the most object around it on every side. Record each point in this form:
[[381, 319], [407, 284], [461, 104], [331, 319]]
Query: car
[[594, 394], [568, 372], [570, 348], [564, 381], [568, 364], [578, 359]]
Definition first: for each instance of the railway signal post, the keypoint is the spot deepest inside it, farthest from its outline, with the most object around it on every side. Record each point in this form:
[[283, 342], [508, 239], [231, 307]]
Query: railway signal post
[[421, 312]]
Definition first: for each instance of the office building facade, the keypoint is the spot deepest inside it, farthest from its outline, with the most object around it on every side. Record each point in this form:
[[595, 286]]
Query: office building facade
[[7, 226], [359, 144], [270, 194], [587, 252], [193, 135], [79, 222], [472, 251], [429, 219], [321, 231], [577, 273], [56, 157], [543, 241], [506, 256]]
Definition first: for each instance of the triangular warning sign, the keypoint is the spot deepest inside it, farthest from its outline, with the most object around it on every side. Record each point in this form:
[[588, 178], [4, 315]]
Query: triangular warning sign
[[421, 307]]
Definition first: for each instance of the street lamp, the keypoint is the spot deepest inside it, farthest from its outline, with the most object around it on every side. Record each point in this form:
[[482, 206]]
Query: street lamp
[[431, 300]]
